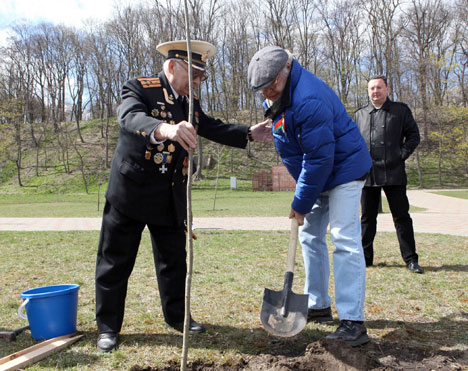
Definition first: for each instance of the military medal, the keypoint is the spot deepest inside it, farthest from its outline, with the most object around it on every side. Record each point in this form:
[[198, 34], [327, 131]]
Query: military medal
[[147, 155], [163, 169], [160, 147], [166, 158], [155, 112], [169, 114], [172, 122], [169, 98], [158, 158], [163, 114], [171, 148]]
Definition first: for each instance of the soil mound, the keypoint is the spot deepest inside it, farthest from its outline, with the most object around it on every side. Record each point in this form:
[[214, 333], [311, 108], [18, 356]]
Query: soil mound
[[328, 354]]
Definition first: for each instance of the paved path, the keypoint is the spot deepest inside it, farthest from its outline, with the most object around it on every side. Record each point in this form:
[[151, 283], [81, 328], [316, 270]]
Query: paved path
[[442, 214]]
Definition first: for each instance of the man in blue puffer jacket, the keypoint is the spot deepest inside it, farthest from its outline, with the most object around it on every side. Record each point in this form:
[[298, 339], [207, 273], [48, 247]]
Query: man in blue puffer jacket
[[323, 150]]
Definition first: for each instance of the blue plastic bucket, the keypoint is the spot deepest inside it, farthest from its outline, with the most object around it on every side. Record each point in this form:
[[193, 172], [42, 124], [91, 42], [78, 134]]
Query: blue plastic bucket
[[50, 310]]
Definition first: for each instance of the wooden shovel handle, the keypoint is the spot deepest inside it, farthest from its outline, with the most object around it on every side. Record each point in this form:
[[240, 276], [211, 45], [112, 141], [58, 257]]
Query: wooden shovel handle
[[292, 246]]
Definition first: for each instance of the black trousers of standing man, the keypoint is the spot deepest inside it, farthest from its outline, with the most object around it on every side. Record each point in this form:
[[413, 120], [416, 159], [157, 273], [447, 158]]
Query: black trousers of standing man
[[117, 251], [399, 206]]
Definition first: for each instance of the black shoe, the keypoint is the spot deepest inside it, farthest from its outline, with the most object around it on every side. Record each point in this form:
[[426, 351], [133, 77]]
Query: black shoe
[[107, 341], [414, 267], [194, 328], [319, 315], [352, 332]]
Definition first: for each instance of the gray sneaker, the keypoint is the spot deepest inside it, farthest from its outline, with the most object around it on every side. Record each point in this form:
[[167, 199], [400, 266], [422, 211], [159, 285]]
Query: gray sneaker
[[319, 315], [352, 332]]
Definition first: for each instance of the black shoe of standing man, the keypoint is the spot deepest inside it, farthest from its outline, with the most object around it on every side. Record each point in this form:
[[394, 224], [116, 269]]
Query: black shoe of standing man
[[194, 327], [414, 267], [107, 341]]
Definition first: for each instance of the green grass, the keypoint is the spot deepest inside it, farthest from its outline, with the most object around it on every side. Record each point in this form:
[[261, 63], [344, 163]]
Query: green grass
[[228, 203], [459, 194], [231, 270]]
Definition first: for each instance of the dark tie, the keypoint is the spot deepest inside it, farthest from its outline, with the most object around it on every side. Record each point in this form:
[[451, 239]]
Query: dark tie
[[181, 101]]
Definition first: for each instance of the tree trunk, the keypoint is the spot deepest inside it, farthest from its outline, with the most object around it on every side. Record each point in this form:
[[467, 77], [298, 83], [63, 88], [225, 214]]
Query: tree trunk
[[18, 165], [421, 184]]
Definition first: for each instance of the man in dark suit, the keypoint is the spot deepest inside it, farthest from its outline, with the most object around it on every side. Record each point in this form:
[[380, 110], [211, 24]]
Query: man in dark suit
[[147, 185], [391, 135]]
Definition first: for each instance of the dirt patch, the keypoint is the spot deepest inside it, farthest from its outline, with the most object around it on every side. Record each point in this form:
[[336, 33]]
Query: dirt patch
[[327, 354]]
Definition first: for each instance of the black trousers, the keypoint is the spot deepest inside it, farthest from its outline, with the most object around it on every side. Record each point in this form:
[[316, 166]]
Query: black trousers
[[399, 206], [118, 246]]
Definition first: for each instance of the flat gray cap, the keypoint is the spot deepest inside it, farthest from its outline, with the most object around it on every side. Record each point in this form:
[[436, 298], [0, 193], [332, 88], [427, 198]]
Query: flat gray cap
[[265, 65]]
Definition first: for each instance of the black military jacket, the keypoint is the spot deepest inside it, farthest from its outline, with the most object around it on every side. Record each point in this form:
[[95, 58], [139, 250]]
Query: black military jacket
[[148, 182], [391, 136]]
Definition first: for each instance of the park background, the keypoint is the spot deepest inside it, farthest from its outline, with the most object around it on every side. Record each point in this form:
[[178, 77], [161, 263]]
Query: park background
[[60, 85]]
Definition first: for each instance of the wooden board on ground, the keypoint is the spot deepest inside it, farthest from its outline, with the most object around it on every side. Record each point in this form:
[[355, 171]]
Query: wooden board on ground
[[36, 352]]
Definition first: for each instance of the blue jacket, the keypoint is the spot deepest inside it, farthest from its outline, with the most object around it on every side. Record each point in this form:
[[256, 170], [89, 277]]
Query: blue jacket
[[320, 144]]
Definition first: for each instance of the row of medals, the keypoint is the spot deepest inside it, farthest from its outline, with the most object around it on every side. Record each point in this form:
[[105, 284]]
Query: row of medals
[[165, 157]]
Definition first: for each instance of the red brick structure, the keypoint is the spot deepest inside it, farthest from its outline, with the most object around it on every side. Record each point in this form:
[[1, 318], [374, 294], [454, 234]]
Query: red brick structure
[[261, 181], [276, 180], [282, 180]]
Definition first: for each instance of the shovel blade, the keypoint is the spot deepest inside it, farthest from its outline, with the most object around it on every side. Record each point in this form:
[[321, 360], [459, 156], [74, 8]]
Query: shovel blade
[[272, 312]]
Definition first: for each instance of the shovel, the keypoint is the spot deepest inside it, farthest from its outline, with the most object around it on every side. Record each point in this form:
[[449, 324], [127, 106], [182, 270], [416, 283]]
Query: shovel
[[284, 313]]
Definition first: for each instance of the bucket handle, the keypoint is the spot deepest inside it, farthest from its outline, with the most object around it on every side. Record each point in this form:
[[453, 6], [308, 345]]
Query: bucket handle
[[22, 309]]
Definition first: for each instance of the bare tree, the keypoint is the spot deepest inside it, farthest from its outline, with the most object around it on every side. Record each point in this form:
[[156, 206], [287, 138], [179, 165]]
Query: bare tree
[[425, 21], [343, 44], [279, 23], [384, 30], [462, 49], [307, 28], [76, 79]]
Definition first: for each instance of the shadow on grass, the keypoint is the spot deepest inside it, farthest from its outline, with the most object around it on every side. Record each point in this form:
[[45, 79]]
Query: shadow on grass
[[220, 338], [445, 332], [453, 268], [406, 342], [380, 354], [449, 267], [226, 338]]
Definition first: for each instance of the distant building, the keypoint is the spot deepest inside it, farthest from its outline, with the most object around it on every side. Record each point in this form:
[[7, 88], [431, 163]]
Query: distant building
[[278, 179]]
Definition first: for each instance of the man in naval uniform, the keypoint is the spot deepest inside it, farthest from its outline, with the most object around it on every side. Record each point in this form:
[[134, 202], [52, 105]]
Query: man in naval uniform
[[147, 185]]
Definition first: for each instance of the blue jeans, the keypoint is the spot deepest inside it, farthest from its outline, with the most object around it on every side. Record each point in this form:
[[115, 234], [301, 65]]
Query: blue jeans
[[338, 207]]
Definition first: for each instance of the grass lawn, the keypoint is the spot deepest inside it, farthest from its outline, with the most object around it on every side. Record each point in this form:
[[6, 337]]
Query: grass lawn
[[231, 270], [458, 193], [227, 203]]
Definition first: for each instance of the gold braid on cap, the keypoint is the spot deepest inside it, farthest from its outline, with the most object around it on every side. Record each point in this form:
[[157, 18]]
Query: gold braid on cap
[[185, 58]]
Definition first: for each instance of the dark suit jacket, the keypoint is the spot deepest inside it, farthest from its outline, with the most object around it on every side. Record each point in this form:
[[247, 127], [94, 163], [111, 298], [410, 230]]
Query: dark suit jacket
[[148, 182], [391, 138]]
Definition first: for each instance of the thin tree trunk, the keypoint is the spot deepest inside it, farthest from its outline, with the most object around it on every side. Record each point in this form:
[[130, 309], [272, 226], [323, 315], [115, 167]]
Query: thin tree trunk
[[217, 181], [421, 184], [18, 166], [188, 280]]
